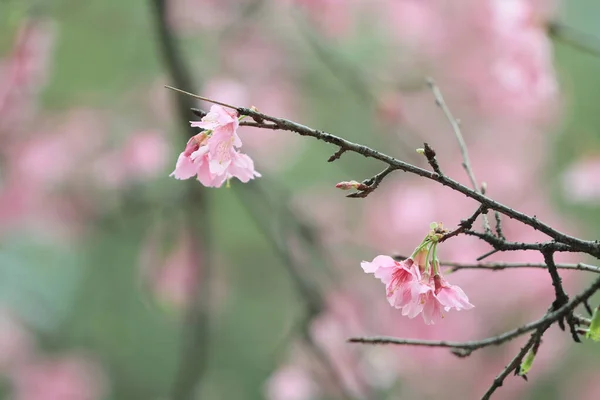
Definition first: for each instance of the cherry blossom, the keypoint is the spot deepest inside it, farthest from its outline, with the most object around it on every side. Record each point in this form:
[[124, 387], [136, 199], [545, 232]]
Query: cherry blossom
[[212, 155], [415, 285]]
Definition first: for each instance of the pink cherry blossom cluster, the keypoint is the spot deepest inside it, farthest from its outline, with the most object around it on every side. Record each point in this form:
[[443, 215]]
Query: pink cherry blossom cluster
[[416, 285], [212, 154]]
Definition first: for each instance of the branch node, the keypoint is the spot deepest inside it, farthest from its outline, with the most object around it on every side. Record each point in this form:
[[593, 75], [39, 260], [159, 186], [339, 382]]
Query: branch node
[[431, 159], [337, 154]]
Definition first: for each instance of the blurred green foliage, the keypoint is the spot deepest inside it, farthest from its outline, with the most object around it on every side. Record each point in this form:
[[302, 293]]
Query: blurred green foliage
[[90, 296]]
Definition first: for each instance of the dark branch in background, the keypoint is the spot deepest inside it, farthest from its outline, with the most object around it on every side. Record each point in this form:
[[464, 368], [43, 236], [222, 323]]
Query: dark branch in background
[[503, 245], [260, 208], [581, 41], [193, 359]]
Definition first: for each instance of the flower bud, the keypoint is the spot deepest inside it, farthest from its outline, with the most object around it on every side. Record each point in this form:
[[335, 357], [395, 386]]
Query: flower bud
[[347, 185]]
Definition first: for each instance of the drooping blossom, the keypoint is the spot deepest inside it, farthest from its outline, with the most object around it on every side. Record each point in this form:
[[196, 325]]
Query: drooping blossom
[[415, 285], [212, 155], [397, 277]]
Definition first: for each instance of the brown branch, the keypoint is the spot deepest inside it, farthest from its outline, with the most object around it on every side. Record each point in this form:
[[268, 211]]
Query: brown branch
[[499, 266], [305, 283], [337, 155], [560, 294], [464, 225], [515, 362], [431, 159], [586, 246], [503, 245]]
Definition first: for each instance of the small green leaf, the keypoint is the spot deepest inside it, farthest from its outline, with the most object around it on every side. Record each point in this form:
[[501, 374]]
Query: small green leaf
[[594, 331], [527, 363]]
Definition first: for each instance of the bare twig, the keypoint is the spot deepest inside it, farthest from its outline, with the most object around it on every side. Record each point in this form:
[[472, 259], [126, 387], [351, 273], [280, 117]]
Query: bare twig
[[464, 225], [371, 184], [439, 100], [455, 123], [559, 291], [560, 294], [515, 362], [498, 266], [499, 232], [486, 255], [337, 155], [586, 246], [503, 245]]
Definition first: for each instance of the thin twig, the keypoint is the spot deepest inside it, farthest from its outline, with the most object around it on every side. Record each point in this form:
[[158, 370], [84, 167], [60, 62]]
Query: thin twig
[[560, 294], [515, 362], [371, 184], [200, 97], [499, 232], [503, 245], [499, 266], [486, 255], [441, 103], [455, 124], [464, 225]]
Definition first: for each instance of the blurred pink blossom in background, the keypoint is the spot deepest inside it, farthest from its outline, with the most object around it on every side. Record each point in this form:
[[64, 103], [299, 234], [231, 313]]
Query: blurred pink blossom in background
[[67, 377], [581, 181]]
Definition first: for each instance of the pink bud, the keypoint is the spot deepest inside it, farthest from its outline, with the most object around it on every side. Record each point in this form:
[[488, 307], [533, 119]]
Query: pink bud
[[347, 185]]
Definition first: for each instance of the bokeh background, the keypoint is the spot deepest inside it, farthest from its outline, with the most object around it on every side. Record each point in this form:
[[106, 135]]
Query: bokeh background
[[118, 282]]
